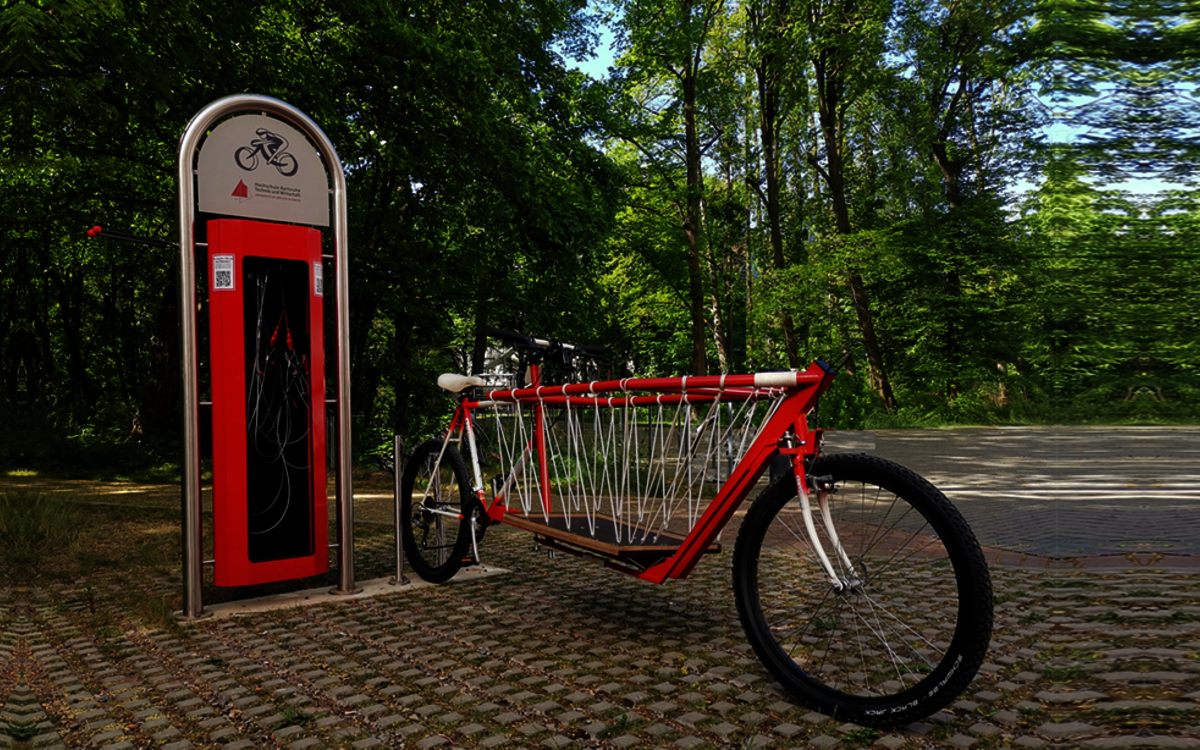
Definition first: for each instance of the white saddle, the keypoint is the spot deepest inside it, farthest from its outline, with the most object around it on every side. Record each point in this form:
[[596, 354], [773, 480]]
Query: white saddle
[[458, 383]]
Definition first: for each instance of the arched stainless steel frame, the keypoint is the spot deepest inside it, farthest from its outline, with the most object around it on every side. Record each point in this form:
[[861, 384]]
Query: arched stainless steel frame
[[193, 606]]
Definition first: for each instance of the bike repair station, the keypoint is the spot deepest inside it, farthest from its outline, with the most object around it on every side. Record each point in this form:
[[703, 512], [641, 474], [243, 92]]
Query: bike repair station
[[256, 179]]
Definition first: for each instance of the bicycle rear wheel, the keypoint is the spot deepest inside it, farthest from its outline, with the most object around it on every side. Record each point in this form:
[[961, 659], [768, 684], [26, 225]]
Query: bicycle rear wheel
[[435, 501], [907, 626]]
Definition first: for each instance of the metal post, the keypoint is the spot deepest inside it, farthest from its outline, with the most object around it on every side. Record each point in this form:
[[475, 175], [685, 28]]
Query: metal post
[[188, 143], [400, 578], [193, 542]]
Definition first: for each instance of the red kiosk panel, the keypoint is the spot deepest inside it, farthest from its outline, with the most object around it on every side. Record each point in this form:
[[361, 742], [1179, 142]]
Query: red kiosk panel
[[268, 402]]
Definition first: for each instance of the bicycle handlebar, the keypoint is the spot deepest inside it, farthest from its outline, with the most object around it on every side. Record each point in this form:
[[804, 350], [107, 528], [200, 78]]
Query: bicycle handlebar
[[521, 339]]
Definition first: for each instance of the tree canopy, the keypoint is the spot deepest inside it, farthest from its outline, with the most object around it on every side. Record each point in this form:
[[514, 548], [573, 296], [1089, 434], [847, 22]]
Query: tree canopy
[[981, 209]]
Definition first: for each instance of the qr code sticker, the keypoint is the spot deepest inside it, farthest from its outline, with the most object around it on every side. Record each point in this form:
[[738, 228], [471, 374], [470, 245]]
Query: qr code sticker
[[318, 280], [222, 272]]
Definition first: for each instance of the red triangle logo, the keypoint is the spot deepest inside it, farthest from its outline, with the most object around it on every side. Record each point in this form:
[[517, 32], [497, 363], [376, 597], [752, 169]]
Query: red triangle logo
[[241, 191]]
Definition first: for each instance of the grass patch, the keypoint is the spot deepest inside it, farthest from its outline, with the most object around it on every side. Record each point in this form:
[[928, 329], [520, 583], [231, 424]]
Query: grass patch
[[21, 732], [861, 737], [620, 726], [294, 716], [1067, 584], [32, 527], [1063, 674]]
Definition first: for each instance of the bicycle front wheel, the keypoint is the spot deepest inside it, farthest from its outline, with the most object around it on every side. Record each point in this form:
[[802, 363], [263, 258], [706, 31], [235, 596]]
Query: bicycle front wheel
[[905, 627], [435, 501]]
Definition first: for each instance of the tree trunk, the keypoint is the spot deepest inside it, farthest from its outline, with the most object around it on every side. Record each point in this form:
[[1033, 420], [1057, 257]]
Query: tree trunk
[[479, 350], [159, 408], [831, 114], [70, 295], [720, 316], [364, 371], [878, 374], [768, 76], [403, 344], [691, 221]]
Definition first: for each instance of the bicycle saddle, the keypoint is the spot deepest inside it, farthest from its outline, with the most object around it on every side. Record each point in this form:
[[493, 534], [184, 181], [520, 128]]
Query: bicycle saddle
[[457, 383]]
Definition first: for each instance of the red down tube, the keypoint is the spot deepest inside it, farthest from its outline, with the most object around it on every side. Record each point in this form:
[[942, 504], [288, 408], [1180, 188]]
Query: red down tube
[[266, 345]]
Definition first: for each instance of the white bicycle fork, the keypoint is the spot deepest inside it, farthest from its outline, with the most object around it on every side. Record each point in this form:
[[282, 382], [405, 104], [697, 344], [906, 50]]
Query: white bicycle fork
[[837, 582]]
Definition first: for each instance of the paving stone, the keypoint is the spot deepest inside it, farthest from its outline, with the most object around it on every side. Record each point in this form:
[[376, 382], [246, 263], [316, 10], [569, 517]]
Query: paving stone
[[689, 741], [1073, 729], [823, 742], [103, 737], [1074, 696], [1165, 742], [410, 730], [433, 741], [787, 730], [595, 728], [388, 721]]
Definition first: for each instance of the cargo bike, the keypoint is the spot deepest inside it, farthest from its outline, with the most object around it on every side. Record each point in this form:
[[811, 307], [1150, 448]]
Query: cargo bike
[[860, 587]]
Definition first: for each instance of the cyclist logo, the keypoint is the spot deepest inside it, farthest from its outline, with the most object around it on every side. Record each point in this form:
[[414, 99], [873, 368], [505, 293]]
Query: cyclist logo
[[273, 149]]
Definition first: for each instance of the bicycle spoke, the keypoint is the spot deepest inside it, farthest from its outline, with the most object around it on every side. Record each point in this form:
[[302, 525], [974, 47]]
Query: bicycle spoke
[[882, 636]]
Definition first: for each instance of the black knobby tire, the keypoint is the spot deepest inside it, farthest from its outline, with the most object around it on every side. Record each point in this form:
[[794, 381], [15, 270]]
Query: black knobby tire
[[911, 625], [436, 545]]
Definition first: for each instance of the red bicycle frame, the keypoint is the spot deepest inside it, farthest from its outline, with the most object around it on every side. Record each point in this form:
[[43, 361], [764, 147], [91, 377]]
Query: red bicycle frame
[[786, 431]]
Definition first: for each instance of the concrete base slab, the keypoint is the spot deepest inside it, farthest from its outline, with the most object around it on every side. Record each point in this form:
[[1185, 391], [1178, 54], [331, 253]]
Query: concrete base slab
[[310, 597]]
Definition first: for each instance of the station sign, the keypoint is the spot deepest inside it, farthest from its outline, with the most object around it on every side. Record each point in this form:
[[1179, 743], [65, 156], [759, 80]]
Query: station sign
[[260, 167]]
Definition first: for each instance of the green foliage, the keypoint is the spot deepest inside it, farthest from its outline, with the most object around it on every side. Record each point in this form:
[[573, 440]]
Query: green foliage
[[756, 185]]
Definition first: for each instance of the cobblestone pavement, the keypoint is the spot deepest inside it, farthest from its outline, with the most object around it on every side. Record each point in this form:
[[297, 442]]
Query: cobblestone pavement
[[1065, 492], [563, 653]]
